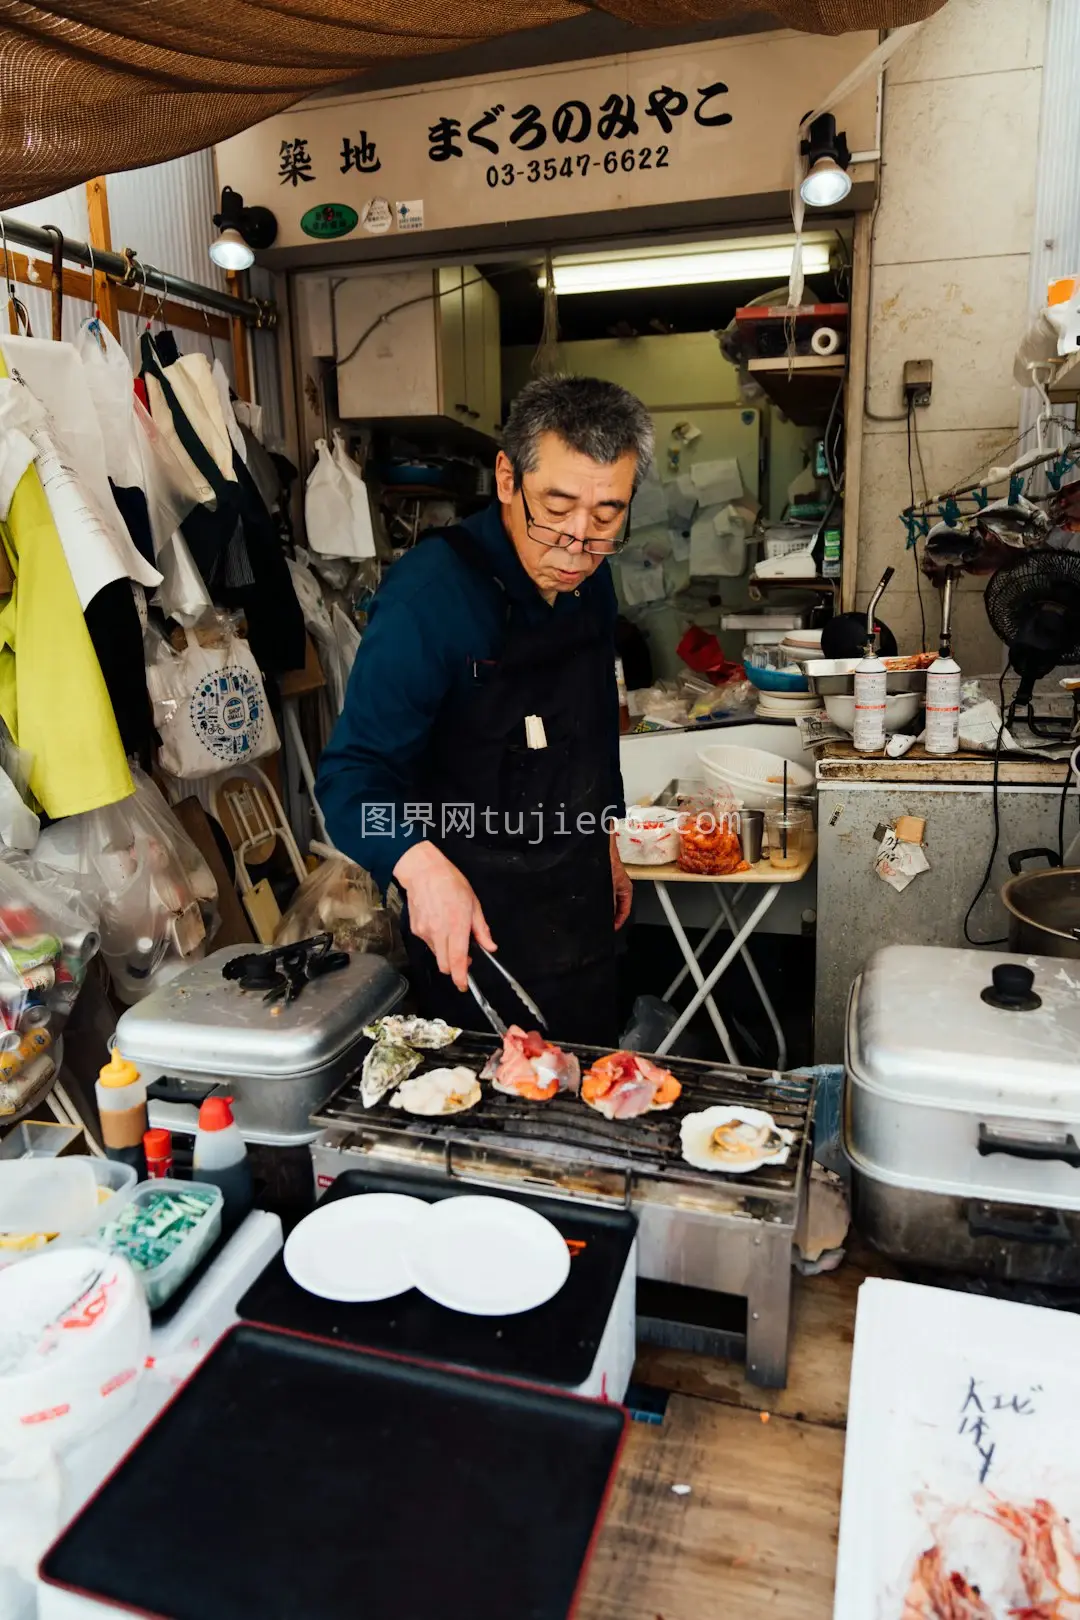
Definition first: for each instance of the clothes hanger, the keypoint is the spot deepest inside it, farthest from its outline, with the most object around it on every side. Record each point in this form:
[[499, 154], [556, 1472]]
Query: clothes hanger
[[94, 322], [22, 316]]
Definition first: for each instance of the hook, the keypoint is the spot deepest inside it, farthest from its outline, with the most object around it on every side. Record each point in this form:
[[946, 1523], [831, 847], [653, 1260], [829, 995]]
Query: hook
[[22, 316], [139, 271], [210, 335], [163, 300]]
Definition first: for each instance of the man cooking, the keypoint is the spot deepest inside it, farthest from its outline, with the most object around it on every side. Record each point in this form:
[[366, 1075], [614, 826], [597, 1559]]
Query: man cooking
[[476, 760]]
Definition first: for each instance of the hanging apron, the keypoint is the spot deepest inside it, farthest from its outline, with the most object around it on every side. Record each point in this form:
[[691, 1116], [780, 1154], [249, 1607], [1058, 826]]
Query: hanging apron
[[525, 825]]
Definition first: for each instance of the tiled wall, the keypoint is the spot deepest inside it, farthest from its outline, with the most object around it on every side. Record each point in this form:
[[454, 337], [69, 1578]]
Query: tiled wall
[[951, 254]]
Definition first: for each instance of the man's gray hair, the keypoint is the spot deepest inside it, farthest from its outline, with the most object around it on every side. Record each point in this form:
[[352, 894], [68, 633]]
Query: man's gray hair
[[597, 419]]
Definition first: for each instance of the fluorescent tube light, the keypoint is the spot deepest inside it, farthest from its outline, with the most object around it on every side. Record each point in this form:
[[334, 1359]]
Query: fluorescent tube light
[[594, 273]]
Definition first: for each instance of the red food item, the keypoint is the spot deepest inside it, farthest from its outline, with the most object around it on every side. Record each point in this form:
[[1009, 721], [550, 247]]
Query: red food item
[[530, 1067], [707, 844], [625, 1084]]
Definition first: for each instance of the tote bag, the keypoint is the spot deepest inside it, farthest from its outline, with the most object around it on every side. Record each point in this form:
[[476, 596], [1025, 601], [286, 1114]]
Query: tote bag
[[210, 707]]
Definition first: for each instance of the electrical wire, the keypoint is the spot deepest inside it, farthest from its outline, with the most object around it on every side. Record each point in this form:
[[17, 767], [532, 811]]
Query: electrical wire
[[918, 451], [915, 538], [1061, 812], [997, 823], [831, 441]]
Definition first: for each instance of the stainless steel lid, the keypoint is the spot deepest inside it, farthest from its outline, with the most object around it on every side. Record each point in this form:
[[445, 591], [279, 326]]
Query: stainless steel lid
[[200, 1023], [1047, 900], [920, 1030]]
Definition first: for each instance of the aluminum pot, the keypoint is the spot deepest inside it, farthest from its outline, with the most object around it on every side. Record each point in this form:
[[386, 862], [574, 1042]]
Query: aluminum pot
[[1043, 907]]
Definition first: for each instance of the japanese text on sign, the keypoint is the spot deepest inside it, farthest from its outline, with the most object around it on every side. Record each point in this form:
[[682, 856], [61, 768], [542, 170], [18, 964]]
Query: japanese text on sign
[[980, 1420]]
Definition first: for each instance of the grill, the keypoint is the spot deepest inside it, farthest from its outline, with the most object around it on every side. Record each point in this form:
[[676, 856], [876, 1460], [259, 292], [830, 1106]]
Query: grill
[[700, 1235]]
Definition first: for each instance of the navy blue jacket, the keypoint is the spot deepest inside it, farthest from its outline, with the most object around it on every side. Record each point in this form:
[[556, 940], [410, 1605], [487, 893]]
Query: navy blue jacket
[[432, 617]]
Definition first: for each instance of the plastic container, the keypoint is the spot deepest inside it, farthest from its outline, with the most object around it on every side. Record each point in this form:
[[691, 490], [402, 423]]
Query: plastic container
[[160, 1281], [74, 1333], [789, 837], [753, 775], [769, 670], [121, 1100]]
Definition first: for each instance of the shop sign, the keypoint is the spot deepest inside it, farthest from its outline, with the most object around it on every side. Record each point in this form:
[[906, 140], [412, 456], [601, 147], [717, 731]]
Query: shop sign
[[697, 122]]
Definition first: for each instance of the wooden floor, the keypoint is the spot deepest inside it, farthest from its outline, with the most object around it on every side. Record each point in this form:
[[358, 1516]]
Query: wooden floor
[[756, 1535]]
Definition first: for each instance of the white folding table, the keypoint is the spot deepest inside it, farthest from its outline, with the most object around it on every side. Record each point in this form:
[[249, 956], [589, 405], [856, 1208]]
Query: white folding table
[[758, 887]]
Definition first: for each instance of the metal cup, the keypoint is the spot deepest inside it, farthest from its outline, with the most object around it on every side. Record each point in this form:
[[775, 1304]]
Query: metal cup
[[751, 830]]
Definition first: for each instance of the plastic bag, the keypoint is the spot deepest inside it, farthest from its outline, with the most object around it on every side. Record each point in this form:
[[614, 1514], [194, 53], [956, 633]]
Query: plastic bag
[[210, 706], [339, 897], [48, 936], [362, 533], [336, 511], [709, 841], [648, 836], [155, 896]]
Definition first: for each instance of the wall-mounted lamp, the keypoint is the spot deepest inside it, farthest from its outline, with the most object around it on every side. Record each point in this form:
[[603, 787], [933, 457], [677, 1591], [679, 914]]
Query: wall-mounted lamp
[[241, 231], [826, 181]]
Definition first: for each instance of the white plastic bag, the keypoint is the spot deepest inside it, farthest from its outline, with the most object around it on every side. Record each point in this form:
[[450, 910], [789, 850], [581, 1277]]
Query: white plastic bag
[[363, 538], [327, 505], [210, 705], [336, 510]]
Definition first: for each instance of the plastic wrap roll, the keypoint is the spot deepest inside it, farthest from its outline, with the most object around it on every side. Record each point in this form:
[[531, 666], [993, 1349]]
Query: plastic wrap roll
[[825, 340]]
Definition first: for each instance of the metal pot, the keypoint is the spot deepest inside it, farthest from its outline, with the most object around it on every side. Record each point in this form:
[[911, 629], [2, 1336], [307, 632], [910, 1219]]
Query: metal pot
[[1043, 907]]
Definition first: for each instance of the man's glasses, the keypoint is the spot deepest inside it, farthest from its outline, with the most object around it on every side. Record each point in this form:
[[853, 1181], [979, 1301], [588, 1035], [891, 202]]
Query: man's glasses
[[595, 545]]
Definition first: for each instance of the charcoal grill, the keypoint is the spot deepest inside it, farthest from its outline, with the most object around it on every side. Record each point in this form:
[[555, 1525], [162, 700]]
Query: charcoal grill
[[701, 1235]]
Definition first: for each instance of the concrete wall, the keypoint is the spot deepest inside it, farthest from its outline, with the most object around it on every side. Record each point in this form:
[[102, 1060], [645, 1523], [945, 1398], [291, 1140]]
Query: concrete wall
[[951, 253]]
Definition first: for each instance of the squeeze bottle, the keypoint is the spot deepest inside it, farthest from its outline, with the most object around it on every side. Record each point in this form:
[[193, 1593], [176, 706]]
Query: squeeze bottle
[[121, 1100], [221, 1156]]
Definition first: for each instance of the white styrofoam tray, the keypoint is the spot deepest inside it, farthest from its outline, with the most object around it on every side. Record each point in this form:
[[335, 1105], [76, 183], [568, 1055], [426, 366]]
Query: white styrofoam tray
[[955, 1400]]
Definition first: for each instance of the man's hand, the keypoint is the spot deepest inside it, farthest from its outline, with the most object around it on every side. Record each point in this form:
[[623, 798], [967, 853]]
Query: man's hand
[[443, 910], [621, 885]]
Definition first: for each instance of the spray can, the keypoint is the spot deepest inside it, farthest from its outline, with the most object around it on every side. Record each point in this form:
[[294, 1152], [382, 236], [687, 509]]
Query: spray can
[[871, 678], [943, 705]]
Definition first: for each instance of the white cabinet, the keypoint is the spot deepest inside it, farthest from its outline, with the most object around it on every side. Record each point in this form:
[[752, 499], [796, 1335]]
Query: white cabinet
[[436, 356]]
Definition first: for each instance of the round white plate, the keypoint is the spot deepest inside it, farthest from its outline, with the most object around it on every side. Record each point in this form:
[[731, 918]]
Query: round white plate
[[355, 1249], [487, 1256]]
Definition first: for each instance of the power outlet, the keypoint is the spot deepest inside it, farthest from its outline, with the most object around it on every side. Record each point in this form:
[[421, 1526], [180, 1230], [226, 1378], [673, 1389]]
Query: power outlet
[[918, 381]]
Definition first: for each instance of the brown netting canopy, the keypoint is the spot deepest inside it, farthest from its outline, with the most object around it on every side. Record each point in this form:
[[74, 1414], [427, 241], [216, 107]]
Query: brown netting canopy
[[88, 87]]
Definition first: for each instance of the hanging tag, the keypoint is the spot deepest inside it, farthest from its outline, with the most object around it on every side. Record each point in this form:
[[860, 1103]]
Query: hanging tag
[[535, 735]]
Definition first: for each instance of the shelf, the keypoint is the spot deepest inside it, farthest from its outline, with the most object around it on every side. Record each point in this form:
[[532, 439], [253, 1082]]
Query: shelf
[[1064, 386], [802, 385]]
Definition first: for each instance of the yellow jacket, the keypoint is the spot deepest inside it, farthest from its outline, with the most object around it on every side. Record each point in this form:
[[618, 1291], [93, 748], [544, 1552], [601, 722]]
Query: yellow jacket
[[53, 696]]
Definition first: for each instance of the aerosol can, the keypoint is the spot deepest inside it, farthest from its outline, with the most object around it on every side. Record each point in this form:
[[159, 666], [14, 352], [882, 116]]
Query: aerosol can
[[943, 685], [871, 680]]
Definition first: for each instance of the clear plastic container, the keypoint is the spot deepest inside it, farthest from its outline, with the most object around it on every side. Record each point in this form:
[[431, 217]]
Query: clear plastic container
[[45, 1196], [160, 1281], [789, 837]]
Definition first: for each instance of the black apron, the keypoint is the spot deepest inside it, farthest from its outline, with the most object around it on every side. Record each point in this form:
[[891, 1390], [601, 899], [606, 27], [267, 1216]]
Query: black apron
[[526, 825]]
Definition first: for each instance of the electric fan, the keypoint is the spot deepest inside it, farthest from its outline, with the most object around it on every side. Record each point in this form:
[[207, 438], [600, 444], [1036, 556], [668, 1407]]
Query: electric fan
[[1035, 609]]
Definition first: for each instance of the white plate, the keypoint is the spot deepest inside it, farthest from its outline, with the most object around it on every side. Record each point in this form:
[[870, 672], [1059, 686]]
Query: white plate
[[487, 1256], [355, 1249]]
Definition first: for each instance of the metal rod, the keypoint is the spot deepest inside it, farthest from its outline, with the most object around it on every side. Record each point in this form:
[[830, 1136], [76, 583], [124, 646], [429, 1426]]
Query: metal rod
[[134, 273]]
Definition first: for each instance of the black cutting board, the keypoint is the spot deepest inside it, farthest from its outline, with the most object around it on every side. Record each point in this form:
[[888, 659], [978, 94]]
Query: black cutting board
[[554, 1344], [291, 1480]]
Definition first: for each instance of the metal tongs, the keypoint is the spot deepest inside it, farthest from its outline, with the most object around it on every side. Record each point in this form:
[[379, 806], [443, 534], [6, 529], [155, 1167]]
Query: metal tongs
[[493, 1018]]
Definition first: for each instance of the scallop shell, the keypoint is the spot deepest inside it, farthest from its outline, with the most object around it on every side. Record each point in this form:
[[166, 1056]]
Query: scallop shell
[[752, 1140], [439, 1091]]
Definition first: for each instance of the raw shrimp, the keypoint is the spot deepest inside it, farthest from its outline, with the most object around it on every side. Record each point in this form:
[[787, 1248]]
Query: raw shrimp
[[935, 1594], [1047, 1559]]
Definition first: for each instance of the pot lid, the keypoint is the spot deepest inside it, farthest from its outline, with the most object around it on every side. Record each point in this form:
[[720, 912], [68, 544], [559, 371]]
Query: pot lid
[[1049, 900], [920, 1029], [200, 1023]]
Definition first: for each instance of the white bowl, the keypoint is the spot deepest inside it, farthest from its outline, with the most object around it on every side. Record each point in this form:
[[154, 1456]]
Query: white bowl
[[754, 776], [900, 707]]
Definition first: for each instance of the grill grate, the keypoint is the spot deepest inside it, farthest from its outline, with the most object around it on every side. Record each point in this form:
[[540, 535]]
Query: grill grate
[[646, 1145]]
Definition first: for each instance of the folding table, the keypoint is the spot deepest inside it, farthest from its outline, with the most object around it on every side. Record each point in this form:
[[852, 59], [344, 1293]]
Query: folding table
[[760, 886]]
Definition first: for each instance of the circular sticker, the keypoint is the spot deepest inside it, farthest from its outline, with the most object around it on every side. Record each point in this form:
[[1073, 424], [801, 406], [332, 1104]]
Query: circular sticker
[[228, 710], [377, 216], [329, 220]]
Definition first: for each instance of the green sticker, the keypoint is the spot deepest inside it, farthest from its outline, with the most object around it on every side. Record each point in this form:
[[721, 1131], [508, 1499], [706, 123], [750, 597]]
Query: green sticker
[[329, 220]]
